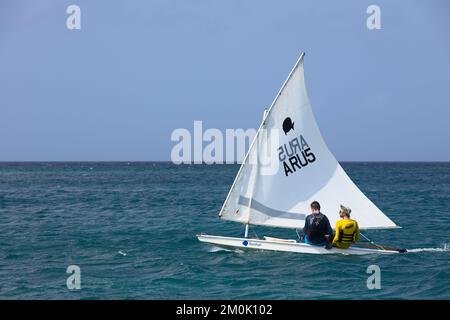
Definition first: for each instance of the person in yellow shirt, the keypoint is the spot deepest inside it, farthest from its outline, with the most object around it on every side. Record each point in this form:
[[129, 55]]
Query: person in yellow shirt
[[347, 230]]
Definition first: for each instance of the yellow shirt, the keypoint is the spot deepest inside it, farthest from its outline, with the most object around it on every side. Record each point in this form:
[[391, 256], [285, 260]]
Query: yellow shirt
[[347, 232]]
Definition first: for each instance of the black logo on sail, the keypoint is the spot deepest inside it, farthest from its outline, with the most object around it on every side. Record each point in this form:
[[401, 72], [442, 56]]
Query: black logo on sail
[[296, 153], [287, 125]]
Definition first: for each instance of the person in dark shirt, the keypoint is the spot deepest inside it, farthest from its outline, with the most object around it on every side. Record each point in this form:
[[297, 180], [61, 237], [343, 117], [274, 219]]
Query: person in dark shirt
[[317, 228]]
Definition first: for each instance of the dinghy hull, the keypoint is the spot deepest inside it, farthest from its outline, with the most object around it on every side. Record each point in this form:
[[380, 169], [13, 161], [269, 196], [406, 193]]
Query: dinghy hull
[[284, 245]]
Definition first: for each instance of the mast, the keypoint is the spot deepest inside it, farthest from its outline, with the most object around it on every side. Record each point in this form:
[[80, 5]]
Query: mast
[[253, 185]]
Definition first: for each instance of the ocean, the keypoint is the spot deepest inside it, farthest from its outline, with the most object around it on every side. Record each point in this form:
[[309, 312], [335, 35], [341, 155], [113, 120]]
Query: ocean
[[130, 227]]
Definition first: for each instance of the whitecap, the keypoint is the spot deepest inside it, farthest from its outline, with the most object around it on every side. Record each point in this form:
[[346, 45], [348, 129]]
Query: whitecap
[[444, 249], [217, 249]]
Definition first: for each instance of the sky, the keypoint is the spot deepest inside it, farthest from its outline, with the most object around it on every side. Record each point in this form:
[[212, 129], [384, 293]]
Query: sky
[[117, 88]]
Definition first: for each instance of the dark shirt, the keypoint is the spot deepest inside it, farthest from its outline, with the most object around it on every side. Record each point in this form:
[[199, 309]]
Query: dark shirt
[[324, 228]]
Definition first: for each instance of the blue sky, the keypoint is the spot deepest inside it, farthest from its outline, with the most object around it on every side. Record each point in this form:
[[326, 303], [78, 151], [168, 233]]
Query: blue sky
[[137, 70]]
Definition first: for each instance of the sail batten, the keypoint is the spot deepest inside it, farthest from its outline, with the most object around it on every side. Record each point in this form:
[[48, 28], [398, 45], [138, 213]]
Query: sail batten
[[288, 165]]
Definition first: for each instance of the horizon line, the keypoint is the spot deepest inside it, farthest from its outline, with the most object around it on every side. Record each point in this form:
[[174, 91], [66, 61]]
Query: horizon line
[[168, 161]]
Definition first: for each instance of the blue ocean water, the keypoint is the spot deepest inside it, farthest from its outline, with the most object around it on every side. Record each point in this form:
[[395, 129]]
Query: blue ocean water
[[131, 228]]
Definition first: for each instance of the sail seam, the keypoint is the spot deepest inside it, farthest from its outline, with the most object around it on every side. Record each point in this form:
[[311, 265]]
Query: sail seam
[[274, 213]]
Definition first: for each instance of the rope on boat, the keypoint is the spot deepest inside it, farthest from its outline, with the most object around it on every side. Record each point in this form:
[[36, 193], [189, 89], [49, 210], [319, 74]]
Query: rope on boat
[[384, 247], [372, 243], [298, 235]]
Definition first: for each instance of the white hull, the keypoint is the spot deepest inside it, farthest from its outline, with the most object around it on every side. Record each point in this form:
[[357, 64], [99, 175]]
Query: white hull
[[284, 245]]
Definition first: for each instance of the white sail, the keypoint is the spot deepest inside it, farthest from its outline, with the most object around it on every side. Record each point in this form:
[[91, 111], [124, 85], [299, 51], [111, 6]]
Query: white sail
[[289, 165]]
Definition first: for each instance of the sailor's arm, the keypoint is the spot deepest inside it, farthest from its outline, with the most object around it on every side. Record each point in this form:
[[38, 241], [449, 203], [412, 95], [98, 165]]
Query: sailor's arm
[[306, 225], [357, 232], [336, 235]]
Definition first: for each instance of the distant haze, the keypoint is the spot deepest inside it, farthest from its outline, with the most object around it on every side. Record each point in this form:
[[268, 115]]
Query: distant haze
[[137, 70]]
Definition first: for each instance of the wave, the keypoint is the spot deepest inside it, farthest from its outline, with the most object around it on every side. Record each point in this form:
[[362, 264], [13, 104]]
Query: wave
[[218, 249], [445, 248]]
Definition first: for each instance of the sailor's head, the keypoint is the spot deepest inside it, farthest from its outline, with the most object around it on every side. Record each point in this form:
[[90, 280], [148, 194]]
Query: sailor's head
[[315, 207], [344, 211]]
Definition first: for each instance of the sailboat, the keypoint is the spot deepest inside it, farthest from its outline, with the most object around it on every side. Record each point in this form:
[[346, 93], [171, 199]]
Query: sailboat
[[288, 165]]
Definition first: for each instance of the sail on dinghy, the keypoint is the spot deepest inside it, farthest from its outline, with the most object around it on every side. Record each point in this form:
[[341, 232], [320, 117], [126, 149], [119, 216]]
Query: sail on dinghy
[[287, 166]]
